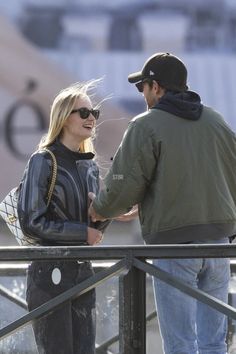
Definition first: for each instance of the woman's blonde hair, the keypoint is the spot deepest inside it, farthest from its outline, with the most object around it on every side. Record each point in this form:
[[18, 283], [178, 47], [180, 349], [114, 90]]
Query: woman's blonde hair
[[61, 108]]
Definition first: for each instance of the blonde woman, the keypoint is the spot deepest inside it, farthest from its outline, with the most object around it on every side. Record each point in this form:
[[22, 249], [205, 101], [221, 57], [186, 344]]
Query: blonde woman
[[69, 329]]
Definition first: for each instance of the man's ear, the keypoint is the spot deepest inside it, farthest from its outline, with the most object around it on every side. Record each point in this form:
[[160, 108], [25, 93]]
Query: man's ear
[[160, 91], [156, 86]]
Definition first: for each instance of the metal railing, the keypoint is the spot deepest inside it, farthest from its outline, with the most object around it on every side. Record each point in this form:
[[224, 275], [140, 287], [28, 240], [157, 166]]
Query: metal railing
[[130, 264]]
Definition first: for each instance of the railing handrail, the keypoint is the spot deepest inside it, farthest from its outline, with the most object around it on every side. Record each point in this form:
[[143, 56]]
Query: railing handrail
[[20, 253], [132, 268]]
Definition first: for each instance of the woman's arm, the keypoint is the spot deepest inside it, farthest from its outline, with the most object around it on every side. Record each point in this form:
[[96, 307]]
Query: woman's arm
[[33, 210]]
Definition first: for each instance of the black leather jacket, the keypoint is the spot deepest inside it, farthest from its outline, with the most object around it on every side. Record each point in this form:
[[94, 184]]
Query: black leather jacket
[[65, 220]]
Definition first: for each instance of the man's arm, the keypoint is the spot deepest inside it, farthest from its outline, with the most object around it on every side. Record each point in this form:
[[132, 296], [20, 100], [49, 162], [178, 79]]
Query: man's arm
[[129, 176]]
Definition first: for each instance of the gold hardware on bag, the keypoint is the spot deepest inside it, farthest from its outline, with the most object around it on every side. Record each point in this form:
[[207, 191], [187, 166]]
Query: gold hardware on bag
[[54, 175], [11, 218]]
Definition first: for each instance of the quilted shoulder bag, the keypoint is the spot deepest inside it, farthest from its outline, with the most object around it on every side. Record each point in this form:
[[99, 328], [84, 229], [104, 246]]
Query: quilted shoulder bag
[[8, 207]]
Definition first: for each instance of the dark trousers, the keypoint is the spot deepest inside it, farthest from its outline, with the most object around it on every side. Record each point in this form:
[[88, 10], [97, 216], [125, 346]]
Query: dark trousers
[[69, 329]]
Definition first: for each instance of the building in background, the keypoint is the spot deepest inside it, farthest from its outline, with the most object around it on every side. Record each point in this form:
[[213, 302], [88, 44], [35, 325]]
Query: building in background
[[137, 26], [63, 41], [91, 39]]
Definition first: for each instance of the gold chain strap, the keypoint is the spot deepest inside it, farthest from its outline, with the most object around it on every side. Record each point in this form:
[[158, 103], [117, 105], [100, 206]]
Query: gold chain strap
[[54, 175]]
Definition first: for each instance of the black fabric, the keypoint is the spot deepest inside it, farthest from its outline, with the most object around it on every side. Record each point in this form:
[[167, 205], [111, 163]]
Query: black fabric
[[62, 152], [70, 328], [65, 220], [185, 105]]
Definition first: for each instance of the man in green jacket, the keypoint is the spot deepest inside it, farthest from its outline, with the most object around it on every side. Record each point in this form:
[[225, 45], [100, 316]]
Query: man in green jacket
[[177, 161]]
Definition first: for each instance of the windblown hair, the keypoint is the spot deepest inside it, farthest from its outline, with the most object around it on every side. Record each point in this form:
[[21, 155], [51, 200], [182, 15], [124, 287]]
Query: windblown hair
[[61, 108]]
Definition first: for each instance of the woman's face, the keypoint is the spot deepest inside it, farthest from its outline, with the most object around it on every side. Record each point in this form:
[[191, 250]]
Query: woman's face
[[75, 127]]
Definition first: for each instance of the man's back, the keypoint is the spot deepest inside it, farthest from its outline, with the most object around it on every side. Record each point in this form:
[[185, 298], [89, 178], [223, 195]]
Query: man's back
[[194, 182]]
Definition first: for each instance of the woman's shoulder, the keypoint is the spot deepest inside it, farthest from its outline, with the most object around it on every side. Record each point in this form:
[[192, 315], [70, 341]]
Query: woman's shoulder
[[40, 158]]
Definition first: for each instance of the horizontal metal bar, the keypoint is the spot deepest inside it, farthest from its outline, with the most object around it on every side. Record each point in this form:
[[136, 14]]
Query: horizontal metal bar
[[19, 269], [13, 269], [13, 297], [117, 252], [77, 290], [195, 293]]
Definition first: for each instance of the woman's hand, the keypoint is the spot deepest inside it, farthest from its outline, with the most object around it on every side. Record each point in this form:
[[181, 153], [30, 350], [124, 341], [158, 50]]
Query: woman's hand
[[131, 215], [92, 213], [94, 236]]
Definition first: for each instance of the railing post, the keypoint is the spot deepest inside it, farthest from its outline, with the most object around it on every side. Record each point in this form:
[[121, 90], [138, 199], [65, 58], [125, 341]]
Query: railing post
[[132, 312]]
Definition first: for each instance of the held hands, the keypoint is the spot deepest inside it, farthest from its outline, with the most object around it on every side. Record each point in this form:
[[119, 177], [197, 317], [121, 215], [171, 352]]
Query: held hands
[[94, 236], [132, 214], [92, 213]]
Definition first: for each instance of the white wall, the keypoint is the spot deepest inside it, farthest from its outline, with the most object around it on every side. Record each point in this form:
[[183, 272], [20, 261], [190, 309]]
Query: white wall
[[213, 76], [163, 32]]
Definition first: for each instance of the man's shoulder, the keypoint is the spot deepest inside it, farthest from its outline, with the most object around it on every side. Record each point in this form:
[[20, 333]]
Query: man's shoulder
[[211, 112], [40, 157], [138, 118], [212, 116], [145, 117], [216, 121]]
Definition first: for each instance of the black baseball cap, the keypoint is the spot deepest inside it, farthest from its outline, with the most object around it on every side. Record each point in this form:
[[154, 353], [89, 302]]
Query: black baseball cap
[[167, 69]]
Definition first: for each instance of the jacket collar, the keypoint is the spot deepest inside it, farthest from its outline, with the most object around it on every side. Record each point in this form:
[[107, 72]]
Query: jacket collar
[[65, 151]]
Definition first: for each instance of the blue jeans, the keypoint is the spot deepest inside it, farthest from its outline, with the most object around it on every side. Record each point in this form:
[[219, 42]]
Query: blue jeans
[[188, 326]]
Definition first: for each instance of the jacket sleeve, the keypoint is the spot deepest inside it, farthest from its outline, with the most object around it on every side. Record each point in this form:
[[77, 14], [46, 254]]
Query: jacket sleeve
[[132, 170], [33, 210], [99, 225], [102, 225]]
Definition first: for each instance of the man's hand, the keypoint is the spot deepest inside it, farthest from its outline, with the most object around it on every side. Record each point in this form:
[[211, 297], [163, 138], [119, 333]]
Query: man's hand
[[94, 236], [131, 215], [92, 213]]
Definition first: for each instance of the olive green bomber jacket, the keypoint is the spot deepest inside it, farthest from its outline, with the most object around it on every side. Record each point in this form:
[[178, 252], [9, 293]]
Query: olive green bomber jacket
[[180, 172]]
